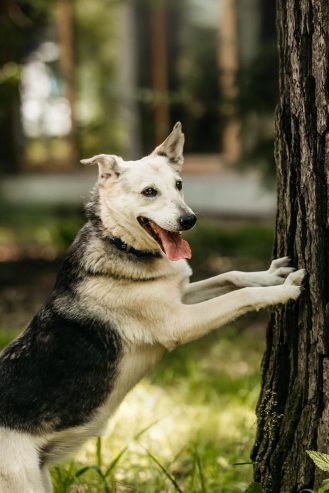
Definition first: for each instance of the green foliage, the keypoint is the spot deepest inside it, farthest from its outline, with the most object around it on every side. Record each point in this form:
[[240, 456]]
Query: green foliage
[[165, 472], [200, 107], [98, 76], [220, 246], [21, 24], [63, 477], [6, 337], [99, 46], [42, 227], [10, 76], [255, 103], [254, 488], [320, 459], [322, 488]]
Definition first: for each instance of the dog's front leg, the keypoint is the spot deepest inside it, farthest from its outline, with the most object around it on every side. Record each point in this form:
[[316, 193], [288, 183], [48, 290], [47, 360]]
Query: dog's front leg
[[190, 322], [199, 291], [229, 281]]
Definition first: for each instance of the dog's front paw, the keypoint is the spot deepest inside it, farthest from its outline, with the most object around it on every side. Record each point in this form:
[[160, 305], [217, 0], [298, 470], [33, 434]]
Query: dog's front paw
[[290, 290], [279, 270], [295, 278], [292, 287]]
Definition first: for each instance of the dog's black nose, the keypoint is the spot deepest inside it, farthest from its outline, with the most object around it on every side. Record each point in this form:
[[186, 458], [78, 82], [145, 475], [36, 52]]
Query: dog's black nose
[[187, 221]]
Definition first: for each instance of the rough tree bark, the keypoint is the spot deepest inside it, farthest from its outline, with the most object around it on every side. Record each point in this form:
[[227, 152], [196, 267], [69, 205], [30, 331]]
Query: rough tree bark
[[293, 409]]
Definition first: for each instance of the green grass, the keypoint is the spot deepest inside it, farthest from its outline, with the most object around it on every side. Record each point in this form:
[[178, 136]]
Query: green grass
[[196, 411], [181, 429]]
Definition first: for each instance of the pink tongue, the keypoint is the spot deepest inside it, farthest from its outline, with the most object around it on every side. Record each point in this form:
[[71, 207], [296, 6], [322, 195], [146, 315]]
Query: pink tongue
[[174, 246]]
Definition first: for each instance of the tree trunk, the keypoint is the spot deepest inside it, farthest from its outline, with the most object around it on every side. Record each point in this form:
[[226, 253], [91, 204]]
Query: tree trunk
[[128, 80], [64, 26], [228, 63], [293, 410], [159, 72]]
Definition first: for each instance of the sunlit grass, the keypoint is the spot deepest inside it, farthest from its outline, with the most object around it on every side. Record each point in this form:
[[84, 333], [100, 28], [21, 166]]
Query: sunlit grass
[[196, 414], [183, 428]]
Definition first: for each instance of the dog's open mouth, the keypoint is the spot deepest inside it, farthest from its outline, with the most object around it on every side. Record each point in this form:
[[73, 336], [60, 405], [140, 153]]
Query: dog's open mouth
[[171, 242]]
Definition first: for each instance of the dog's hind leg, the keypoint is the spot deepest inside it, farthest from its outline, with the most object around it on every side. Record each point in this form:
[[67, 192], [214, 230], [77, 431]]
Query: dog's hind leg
[[19, 463], [46, 480]]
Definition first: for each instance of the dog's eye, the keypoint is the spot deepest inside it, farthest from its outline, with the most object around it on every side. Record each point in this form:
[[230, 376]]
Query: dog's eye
[[149, 192], [179, 184]]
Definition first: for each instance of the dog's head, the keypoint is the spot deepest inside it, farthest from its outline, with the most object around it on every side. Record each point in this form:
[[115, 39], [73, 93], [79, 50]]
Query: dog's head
[[142, 201]]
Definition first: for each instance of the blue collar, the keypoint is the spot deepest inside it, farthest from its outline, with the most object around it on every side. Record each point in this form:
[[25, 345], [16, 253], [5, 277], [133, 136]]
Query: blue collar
[[123, 247]]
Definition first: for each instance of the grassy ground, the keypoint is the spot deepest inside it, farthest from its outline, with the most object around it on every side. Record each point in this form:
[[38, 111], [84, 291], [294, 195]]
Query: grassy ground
[[186, 426], [189, 422]]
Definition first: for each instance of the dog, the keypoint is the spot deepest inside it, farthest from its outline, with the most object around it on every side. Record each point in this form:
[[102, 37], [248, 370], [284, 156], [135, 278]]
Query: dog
[[121, 299]]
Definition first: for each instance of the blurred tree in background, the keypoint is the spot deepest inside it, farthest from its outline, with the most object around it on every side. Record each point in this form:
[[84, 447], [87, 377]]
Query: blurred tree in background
[[98, 80], [80, 77], [21, 27], [258, 92]]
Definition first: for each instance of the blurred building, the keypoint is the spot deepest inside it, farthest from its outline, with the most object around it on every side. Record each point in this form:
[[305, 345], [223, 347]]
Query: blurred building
[[80, 77]]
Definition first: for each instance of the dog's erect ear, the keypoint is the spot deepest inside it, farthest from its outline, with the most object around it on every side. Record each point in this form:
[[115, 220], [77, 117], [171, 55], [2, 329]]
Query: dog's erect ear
[[173, 147], [108, 167]]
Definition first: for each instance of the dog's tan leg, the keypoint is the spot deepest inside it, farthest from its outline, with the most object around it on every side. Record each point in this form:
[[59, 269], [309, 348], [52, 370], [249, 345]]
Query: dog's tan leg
[[189, 322], [224, 283], [46, 480], [19, 463], [199, 291]]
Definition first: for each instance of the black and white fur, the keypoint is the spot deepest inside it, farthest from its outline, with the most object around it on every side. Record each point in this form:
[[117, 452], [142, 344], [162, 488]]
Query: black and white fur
[[111, 316]]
